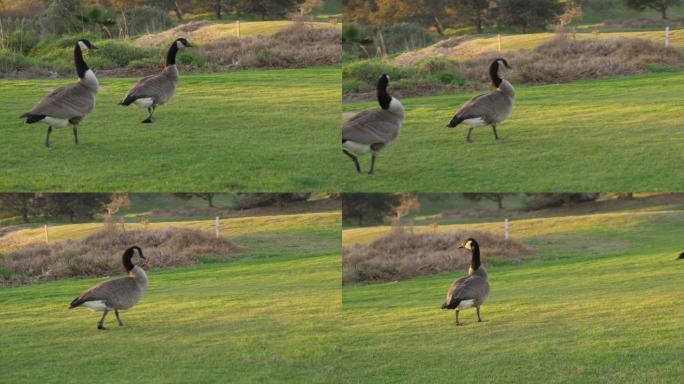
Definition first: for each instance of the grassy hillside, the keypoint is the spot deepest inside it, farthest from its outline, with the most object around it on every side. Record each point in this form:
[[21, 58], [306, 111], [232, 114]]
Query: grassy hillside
[[298, 229], [216, 31], [587, 135], [247, 130], [600, 301], [480, 45], [251, 322]]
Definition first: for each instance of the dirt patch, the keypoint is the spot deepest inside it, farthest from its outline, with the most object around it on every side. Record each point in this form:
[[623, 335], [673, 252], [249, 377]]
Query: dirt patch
[[402, 255], [100, 254]]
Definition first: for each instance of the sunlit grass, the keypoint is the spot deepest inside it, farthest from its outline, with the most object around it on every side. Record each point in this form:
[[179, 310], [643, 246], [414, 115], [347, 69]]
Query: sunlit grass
[[252, 130], [612, 134], [599, 301]]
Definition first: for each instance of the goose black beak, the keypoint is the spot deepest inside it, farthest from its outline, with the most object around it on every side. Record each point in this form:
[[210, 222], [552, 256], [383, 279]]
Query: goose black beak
[[93, 47], [461, 246]]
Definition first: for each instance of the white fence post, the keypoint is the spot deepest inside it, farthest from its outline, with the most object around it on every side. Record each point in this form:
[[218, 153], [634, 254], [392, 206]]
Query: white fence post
[[218, 227], [499, 41], [47, 238], [506, 234], [237, 27], [667, 37]]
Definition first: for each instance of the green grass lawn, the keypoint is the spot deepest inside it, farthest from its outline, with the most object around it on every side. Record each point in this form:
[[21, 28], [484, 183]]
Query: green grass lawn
[[250, 130], [618, 134], [271, 315], [248, 322], [600, 301]]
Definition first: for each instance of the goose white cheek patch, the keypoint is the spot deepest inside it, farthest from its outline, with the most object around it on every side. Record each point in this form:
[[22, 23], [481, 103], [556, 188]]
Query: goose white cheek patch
[[82, 45]]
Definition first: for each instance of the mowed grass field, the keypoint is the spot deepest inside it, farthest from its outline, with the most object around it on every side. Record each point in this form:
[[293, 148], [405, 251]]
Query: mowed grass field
[[611, 134], [273, 315], [255, 130], [599, 301]]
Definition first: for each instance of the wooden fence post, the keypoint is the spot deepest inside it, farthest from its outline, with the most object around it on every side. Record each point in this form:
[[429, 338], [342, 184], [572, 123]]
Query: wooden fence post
[[499, 41], [218, 227], [47, 237], [506, 232], [667, 36], [237, 28]]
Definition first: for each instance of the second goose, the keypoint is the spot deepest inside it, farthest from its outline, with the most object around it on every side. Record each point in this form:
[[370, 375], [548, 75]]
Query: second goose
[[472, 290], [488, 109], [155, 90], [122, 293]]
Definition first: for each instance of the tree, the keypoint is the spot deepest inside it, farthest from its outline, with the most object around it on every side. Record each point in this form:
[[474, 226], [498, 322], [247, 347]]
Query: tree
[[22, 204], [529, 15], [551, 200], [473, 10], [208, 197], [254, 200], [307, 6], [658, 5], [369, 208], [75, 205], [496, 197], [273, 9]]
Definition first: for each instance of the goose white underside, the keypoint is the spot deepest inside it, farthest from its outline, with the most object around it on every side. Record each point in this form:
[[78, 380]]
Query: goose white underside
[[96, 305], [55, 122], [145, 102], [475, 122], [357, 149], [465, 304]]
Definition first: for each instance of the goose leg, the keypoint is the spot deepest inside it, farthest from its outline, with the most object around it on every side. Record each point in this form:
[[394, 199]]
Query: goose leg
[[479, 319], [470, 131], [457, 323], [495, 134], [47, 138], [354, 159], [100, 324], [75, 134], [116, 312], [373, 156], [150, 110]]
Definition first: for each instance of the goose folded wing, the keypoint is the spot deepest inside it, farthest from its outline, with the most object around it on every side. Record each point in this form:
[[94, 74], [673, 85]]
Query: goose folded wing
[[478, 106], [466, 288], [103, 291], [371, 127], [65, 103], [150, 86]]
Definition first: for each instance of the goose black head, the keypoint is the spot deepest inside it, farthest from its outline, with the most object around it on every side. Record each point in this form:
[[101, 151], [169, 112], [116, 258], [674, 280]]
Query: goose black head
[[128, 255], [494, 71], [183, 43], [384, 97], [85, 44], [469, 244]]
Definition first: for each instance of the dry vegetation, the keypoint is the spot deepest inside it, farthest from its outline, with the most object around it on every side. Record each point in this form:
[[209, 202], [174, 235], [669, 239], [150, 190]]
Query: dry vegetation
[[402, 255], [100, 254], [297, 46], [564, 59]]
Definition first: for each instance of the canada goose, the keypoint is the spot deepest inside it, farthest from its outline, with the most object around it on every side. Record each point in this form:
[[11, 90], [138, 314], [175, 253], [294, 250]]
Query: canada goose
[[490, 108], [373, 130], [68, 104], [154, 90], [471, 290], [121, 293]]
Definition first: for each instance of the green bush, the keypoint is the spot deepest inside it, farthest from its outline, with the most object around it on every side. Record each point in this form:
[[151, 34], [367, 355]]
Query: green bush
[[368, 71], [11, 61], [120, 52], [145, 19], [190, 58], [22, 41], [404, 37], [351, 86]]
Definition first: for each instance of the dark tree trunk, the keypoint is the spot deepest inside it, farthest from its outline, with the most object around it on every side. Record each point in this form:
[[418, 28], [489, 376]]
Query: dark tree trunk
[[438, 26], [178, 11], [25, 210], [499, 200], [218, 9]]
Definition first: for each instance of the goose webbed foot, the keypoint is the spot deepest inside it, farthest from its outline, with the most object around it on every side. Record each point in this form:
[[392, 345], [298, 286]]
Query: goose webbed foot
[[147, 121], [100, 326]]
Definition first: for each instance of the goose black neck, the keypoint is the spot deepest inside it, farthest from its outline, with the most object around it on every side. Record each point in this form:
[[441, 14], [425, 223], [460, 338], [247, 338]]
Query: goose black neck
[[127, 256], [384, 98], [81, 66], [171, 55], [475, 261], [494, 74]]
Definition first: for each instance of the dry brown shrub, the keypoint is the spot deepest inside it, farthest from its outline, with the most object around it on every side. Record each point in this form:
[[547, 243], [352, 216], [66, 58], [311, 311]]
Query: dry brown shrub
[[297, 46], [100, 253], [402, 255], [564, 59]]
